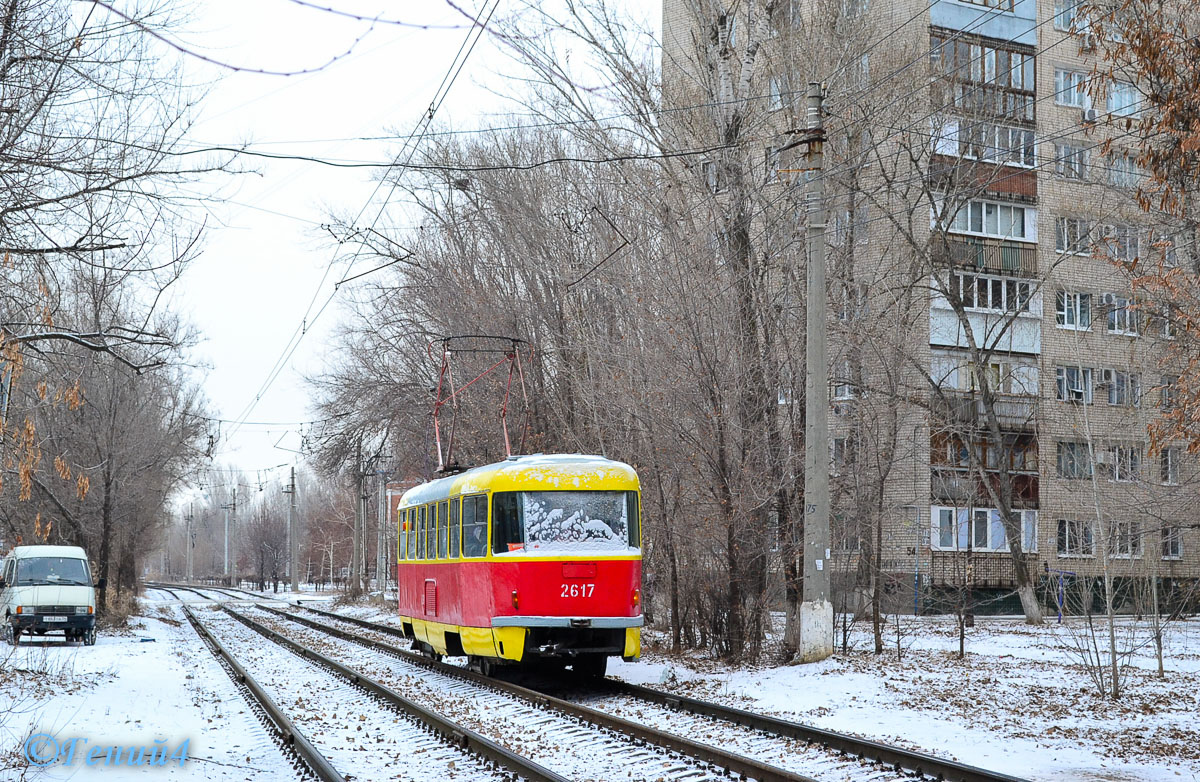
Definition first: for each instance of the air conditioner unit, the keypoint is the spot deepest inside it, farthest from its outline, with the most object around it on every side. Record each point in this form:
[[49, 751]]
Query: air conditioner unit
[[1104, 457], [1090, 116], [1087, 43]]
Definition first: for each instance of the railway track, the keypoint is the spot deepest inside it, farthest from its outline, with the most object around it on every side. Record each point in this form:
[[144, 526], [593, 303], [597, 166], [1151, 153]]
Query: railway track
[[757, 735], [290, 738], [569, 746], [352, 722], [746, 752], [223, 593]]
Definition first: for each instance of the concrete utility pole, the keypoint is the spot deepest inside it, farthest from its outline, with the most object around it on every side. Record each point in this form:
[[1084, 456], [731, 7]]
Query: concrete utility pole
[[355, 582], [228, 507], [190, 544], [816, 609], [293, 534], [381, 557]]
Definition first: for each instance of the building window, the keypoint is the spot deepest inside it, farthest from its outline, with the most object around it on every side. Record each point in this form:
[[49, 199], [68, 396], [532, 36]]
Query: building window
[[1075, 538], [1172, 543], [978, 529], [853, 8], [1071, 161], [785, 14], [1065, 14], [712, 176], [1123, 170], [996, 294], [1124, 99], [1073, 460], [1127, 539], [943, 529], [1124, 388], [1073, 310], [843, 387], [1070, 88], [1119, 463], [1168, 393], [986, 218], [998, 144], [1168, 466], [841, 452], [777, 93], [1122, 241], [983, 78], [1073, 384], [1000, 5], [1072, 235], [1122, 315]]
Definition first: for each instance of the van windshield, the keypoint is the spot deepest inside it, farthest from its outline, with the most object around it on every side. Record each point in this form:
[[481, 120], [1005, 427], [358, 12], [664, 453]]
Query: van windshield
[[43, 571]]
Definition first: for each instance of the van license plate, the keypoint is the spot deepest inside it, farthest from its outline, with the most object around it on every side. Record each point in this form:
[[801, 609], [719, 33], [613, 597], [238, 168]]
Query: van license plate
[[54, 619]]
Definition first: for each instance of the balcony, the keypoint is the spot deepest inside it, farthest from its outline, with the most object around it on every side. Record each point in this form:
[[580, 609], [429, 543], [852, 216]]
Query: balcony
[[960, 486], [979, 569], [994, 256], [1014, 412]]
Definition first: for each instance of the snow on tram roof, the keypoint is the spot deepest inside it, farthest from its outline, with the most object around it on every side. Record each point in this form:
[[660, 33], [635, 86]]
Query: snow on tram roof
[[539, 470]]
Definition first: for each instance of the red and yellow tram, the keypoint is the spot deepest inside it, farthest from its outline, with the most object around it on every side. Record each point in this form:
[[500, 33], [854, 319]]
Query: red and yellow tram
[[533, 559]]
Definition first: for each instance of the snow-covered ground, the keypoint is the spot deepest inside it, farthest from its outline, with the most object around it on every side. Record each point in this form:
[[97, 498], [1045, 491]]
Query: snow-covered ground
[[154, 682], [1019, 702]]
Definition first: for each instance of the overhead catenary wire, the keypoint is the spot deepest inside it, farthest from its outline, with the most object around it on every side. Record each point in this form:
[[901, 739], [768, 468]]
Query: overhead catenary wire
[[459, 61], [290, 351]]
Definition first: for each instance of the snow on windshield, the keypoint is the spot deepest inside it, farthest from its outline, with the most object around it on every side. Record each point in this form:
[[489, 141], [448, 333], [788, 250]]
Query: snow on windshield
[[574, 520]]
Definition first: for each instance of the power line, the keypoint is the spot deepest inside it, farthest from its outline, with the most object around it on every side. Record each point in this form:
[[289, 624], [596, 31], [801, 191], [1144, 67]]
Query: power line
[[153, 33], [456, 66]]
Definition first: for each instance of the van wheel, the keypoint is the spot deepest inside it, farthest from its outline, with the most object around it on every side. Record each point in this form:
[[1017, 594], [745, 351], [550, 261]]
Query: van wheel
[[89, 637]]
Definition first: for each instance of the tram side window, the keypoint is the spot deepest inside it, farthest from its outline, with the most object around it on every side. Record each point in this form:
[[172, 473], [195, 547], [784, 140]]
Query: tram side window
[[411, 534], [635, 519], [455, 529], [421, 533], [443, 530], [430, 548], [401, 535], [474, 523], [508, 531]]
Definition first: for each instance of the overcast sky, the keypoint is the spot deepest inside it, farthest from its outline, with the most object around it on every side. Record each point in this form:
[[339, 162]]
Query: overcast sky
[[265, 254]]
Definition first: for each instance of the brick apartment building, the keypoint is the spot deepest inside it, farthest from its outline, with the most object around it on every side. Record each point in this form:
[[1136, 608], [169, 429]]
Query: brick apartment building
[[999, 89]]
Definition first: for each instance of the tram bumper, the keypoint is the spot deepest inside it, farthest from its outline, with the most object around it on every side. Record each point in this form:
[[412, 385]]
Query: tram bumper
[[567, 637]]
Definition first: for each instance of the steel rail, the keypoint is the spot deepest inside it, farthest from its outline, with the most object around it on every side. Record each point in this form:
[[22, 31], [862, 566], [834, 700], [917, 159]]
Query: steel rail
[[173, 587], [458, 735], [380, 628], [884, 754], [291, 736], [739, 764], [196, 587]]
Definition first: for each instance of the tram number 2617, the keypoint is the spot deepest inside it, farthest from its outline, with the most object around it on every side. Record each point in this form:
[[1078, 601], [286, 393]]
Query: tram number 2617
[[577, 590]]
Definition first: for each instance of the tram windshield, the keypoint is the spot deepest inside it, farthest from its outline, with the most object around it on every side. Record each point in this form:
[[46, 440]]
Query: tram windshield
[[545, 522]]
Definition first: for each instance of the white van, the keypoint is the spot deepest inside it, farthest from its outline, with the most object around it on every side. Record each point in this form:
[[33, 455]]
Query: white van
[[46, 589]]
